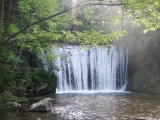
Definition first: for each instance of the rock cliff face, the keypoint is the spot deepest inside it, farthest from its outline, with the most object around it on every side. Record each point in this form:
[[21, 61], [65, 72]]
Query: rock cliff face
[[43, 89], [144, 69], [144, 59], [48, 89]]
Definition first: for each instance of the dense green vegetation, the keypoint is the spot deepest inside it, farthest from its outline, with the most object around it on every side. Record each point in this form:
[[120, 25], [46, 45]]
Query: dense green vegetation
[[27, 27]]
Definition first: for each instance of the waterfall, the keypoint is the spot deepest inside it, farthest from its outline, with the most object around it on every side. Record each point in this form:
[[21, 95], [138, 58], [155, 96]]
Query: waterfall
[[94, 68]]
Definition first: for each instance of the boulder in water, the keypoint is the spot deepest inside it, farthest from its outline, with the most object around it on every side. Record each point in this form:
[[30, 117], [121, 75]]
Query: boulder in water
[[42, 106]]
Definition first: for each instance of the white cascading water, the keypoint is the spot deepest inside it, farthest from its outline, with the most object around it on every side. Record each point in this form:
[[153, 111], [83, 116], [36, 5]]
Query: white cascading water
[[94, 68]]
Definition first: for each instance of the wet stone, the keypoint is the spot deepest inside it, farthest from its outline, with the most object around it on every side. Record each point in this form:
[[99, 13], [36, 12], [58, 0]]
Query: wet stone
[[42, 106]]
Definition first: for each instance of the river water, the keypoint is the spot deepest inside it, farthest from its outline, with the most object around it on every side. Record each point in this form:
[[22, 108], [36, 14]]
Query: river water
[[99, 106]]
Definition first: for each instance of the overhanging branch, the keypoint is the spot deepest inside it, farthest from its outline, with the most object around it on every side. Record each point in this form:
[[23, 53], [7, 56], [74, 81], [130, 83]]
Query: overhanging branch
[[52, 16]]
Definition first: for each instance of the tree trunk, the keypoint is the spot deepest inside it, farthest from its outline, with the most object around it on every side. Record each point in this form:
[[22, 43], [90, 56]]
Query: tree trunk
[[7, 22], [1, 14], [14, 6]]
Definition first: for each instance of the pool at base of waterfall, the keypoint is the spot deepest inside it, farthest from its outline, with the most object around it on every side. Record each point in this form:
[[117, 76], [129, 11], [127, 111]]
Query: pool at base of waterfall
[[98, 106], [92, 91]]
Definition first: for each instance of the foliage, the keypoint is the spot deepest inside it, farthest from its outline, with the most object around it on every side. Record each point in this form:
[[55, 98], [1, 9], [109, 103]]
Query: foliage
[[40, 76], [96, 38], [7, 111], [22, 99], [144, 11], [6, 73]]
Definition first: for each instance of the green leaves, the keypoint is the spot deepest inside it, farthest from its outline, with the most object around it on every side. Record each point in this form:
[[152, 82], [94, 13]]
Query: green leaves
[[12, 29], [98, 38], [41, 76], [145, 13]]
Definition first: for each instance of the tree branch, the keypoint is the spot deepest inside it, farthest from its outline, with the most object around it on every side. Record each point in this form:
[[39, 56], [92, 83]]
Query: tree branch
[[62, 12]]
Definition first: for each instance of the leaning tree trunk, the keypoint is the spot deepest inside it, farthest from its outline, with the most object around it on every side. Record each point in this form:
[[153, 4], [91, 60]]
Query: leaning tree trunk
[[1, 14]]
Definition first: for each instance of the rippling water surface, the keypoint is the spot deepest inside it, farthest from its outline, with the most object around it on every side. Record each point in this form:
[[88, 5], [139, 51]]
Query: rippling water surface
[[99, 106]]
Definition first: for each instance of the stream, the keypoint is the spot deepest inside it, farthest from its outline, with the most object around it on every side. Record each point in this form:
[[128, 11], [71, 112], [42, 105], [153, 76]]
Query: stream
[[98, 106]]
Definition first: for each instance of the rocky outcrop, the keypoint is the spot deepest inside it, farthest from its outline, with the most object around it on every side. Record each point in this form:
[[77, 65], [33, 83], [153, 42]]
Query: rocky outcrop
[[47, 88], [42, 106], [43, 86], [43, 89]]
